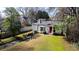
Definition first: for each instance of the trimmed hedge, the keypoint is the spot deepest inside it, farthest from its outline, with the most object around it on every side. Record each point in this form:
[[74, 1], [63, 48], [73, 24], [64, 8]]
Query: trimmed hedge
[[7, 40]]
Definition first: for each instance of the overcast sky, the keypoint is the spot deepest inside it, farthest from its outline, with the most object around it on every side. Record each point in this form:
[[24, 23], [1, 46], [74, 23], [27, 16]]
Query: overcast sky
[[52, 13]]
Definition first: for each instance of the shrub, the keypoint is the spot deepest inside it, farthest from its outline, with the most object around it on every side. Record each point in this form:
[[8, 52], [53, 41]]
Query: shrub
[[20, 37], [7, 40]]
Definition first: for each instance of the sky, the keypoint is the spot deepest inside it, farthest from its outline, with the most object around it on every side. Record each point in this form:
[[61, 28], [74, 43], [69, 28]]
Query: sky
[[50, 14], [1, 11], [2, 8]]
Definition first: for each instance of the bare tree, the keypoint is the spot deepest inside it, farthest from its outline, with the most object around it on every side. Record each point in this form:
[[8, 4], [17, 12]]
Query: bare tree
[[23, 10], [70, 16]]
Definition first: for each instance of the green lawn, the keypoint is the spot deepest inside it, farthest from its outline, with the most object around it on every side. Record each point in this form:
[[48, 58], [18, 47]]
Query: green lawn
[[42, 43], [51, 43]]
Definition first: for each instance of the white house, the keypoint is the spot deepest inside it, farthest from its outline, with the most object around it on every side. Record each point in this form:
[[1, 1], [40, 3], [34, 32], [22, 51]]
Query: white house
[[43, 26]]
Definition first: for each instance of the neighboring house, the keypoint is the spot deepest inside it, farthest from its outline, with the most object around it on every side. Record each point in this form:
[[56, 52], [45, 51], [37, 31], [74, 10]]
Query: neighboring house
[[43, 26], [24, 24], [23, 21]]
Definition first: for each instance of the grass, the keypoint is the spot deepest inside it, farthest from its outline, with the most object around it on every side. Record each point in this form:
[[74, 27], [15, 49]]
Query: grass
[[51, 43], [43, 43]]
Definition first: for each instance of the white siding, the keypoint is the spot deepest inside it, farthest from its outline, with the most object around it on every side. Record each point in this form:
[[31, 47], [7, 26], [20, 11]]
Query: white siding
[[34, 27], [26, 28], [43, 23], [47, 29]]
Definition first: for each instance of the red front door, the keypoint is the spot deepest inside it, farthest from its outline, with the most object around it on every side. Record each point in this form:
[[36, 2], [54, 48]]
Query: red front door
[[50, 29]]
